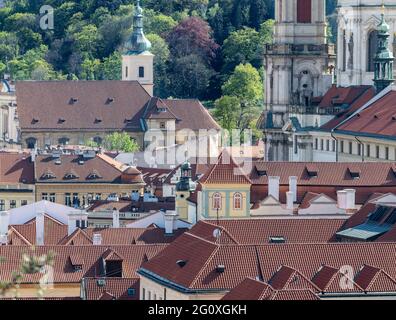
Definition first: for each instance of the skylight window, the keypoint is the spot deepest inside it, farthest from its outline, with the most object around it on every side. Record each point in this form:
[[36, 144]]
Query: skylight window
[[277, 240], [378, 214]]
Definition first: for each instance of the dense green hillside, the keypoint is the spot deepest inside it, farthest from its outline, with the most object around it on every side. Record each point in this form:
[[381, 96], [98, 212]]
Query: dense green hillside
[[197, 43]]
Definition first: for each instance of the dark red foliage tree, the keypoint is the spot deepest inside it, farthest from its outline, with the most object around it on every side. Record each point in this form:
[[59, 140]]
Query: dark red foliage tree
[[193, 36]]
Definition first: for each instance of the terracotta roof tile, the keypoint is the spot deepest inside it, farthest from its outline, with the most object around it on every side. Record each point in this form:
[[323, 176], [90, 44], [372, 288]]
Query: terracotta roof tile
[[260, 231], [226, 170], [16, 168], [377, 119], [111, 288], [64, 272]]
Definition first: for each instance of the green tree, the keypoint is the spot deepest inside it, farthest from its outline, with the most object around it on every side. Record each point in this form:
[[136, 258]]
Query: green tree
[[242, 46], [90, 69], [245, 84], [87, 40], [158, 23], [111, 67], [161, 53], [120, 142], [227, 111]]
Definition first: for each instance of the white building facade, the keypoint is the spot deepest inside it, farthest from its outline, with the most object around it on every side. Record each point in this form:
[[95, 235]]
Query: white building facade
[[299, 66], [357, 38]]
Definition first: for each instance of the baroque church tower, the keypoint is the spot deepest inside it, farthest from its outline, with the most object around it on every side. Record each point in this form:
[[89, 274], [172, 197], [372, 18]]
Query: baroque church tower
[[299, 66], [357, 39], [138, 61]]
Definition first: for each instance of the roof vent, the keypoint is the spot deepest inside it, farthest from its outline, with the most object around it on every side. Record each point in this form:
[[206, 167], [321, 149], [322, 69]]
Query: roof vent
[[34, 121], [101, 282], [181, 263], [220, 268], [73, 100], [60, 120], [58, 162], [98, 120], [81, 162], [109, 100]]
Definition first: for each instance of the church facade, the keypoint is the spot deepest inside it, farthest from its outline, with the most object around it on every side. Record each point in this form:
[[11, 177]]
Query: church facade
[[299, 66], [302, 111], [59, 113]]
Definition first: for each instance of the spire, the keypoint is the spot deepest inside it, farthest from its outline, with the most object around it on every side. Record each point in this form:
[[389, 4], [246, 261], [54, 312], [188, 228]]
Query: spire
[[185, 183], [138, 43], [383, 60]]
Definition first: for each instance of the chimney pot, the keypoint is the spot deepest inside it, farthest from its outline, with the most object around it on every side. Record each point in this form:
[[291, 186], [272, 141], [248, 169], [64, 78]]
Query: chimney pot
[[273, 187], [40, 228]]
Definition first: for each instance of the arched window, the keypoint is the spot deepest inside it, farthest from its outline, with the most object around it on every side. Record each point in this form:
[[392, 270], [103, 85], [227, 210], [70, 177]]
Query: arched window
[[31, 143], [64, 141], [216, 201], [237, 201], [371, 49]]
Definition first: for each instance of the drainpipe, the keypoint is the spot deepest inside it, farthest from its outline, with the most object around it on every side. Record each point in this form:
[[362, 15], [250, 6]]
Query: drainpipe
[[336, 149], [361, 147]]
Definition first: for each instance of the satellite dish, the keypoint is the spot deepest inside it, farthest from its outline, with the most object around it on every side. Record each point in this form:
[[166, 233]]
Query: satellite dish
[[217, 233]]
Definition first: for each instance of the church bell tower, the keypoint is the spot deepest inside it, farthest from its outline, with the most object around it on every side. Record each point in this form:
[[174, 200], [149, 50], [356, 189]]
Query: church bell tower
[[298, 66], [137, 60]]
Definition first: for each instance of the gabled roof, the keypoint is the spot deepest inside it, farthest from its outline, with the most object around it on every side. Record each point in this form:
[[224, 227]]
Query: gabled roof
[[200, 272], [81, 168], [157, 109], [250, 290], [287, 278], [99, 106], [111, 288], [64, 271], [225, 171], [374, 279]]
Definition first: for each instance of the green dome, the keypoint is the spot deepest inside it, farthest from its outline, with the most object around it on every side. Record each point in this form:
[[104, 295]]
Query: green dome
[[383, 27], [138, 43]]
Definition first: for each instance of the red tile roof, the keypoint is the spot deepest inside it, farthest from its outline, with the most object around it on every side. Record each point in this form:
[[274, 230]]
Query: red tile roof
[[226, 170], [250, 289], [355, 97], [64, 271], [238, 262], [25, 234], [16, 168], [375, 177], [377, 119], [107, 170], [48, 101], [55, 233], [99, 106], [112, 288], [259, 231]]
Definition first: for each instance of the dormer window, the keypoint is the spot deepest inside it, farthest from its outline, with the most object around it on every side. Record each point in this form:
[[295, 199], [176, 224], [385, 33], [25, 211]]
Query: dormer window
[[60, 120], [109, 100], [47, 175], [98, 120], [94, 175], [34, 121], [70, 176], [355, 175], [76, 262], [312, 171]]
